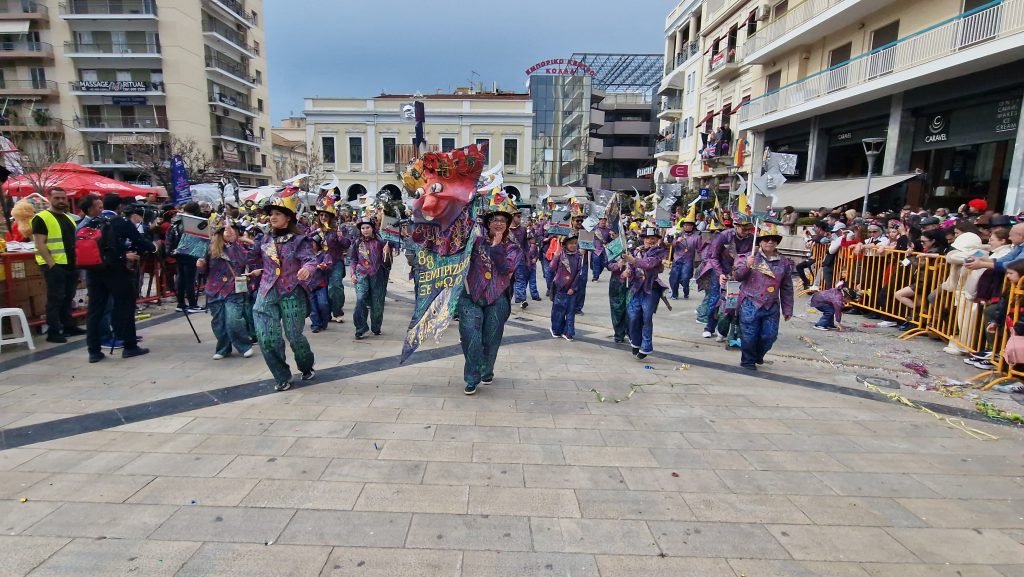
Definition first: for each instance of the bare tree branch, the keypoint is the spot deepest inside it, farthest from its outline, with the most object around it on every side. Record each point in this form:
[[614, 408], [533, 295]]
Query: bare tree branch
[[37, 152], [154, 160]]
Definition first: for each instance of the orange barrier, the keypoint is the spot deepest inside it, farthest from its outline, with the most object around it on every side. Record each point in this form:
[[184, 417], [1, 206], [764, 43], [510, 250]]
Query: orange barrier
[[1004, 371]]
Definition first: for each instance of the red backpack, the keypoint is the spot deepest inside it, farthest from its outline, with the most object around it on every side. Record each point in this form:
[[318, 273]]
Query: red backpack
[[94, 245]]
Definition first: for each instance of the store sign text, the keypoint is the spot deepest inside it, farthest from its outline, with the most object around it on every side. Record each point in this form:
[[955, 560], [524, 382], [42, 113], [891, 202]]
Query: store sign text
[[561, 67]]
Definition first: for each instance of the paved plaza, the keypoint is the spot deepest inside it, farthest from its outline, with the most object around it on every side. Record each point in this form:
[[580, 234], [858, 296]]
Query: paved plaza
[[578, 461]]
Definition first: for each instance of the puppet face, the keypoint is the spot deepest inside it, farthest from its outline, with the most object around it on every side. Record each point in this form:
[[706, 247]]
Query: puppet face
[[443, 183]]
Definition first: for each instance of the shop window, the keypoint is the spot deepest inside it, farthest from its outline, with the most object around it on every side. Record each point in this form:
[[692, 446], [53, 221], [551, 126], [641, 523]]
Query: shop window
[[327, 148]]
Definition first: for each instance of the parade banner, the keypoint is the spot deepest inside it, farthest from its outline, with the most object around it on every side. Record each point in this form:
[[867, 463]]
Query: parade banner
[[180, 193], [391, 230], [586, 239], [614, 249], [560, 223]]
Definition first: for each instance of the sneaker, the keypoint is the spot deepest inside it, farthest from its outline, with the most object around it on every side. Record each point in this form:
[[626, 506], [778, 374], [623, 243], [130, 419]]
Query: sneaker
[[137, 351], [579, 313], [982, 356], [820, 328], [706, 334], [525, 304], [675, 298], [887, 323], [56, 338], [568, 338], [953, 350], [904, 326], [113, 344], [316, 330], [218, 357], [553, 335], [254, 340], [360, 336], [719, 339], [308, 375], [247, 354], [734, 344], [73, 332], [983, 365], [180, 309], [196, 309], [1013, 388], [618, 341], [376, 333], [489, 381], [284, 386], [536, 298], [749, 367], [641, 356], [470, 390], [635, 351], [96, 357]]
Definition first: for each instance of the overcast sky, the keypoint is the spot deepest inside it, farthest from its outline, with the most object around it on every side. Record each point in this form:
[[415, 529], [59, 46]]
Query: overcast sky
[[363, 47]]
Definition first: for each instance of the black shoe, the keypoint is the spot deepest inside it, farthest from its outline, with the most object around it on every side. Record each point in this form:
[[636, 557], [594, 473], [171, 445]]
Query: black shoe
[[759, 361], [360, 336], [904, 326], [73, 332], [56, 338], [316, 330], [254, 340], [376, 333], [283, 386], [536, 298], [580, 313], [619, 341], [749, 367], [524, 304], [470, 390], [641, 356], [636, 351], [486, 381], [135, 351], [308, 375], [96, 357]]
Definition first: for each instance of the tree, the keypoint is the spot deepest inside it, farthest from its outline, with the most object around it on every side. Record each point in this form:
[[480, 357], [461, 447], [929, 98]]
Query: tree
[[154, 160], [292, 158], [32, 154]]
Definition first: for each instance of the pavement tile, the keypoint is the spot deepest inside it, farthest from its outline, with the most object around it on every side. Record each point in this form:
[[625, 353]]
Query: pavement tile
[[971, 487], [730, 441], [428, 451], [244, 445], [362, 470], [22, 554], [406, 402], [16, 516], [404, 431], [523, 501], [192, 491], [788, 568], [572, 477], [332, 447], [858, 544], [97, 462], [609, 456], [549, 436], [974, 546], [13, 484], [509, 564], [887, 462], [156, 442], [725, 540], [12, 458], [700, 459], [321, 428], [474, 474], [413, 498], [224, 524], [347, 529], [107, 520], [775, 483], [685, 480], [177, 465], [602, 422], [967, 514], [658, 423], [222, 426], [255, 560], [648, 439], [469, 532], [518, 453], [825, 443], [117, 557], [632, 566], [602, 536], [436, 417], [348, 561], [86, 488], [867, 511], [792, 461], [644, 505], [158, 425], [292, 494], [360, 414], [475, 434], [274, 412], [750, 426], [876, 485], [920, 570], [744, 508], [251, 467], [510, 419]]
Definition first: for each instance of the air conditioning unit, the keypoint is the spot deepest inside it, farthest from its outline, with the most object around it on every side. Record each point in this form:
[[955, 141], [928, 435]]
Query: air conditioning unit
[[213, 108], [763, 12]]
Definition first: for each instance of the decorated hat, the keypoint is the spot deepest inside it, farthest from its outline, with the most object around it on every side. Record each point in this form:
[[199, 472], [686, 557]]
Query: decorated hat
[[650, 231], [366, 220], [768, 231], [566, 239], [326, 204], [500, 204], [286, 201]]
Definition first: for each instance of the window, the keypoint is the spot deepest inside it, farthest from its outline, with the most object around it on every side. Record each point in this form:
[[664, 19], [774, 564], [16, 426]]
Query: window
[[259, 77], [447, 144], [751, 23], [259, 104], [89, 75], [263, 134], [780, 9], [355, 150], [883, 61], [511, 157], [3, 83], [38, 77], [772, 82], [390, 151], [263, 159], [327, 148], [256, 47], [123, 75], [255, 18], [482, 142], [837, 77]]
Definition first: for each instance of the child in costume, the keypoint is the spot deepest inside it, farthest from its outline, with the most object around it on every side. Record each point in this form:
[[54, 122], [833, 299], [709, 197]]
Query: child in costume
[[568, 274], [336, 243], [618, 299], [645, 264], [531, 257], [766, 290], [225, 264], [316, 288], [370, 254]]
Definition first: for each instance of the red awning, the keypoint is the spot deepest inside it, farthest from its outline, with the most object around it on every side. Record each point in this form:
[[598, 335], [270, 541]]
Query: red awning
[[745, 100], [709, 116], [73, 178]]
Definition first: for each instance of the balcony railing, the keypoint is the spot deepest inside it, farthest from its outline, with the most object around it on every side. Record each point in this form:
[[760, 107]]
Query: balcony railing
[[42, 48], [26, 7], [234, 36], [791, 19], [237, 134], [668, 145], [670, 103], [230, 66], [143, 48], [721, 59], [119, 122], [118, 86], [990, 22], [237, 9], [19, 86], [109, 7], [238, 165], [233, 102]]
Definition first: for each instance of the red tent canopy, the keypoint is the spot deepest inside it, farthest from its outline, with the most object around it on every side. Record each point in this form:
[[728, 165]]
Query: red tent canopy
[[75, 179]]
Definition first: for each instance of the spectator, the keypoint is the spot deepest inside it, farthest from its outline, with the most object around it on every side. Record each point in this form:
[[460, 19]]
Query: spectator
[[53, 231], [185, 288], [91, 205], [789, 218]]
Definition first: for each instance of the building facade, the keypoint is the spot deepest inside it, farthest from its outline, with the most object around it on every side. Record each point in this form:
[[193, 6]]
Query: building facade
[[367, 142], [110, 75], [288, 143]]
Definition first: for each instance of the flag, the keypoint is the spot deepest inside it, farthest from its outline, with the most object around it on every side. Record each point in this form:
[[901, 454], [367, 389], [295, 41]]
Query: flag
[[180, 193]]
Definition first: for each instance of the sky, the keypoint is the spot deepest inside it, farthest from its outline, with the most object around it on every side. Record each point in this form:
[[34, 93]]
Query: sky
[[360, 48]]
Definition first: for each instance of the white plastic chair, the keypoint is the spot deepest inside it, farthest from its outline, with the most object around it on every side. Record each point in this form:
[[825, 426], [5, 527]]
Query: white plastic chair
[[26, 334]]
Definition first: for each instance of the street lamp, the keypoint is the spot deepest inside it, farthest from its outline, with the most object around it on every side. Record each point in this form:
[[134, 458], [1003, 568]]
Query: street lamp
[[872, 148]]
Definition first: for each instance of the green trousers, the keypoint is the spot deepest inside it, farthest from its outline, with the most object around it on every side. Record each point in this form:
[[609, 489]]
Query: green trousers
[[278, 317], [480, 330], [370, 293], [618, 298]]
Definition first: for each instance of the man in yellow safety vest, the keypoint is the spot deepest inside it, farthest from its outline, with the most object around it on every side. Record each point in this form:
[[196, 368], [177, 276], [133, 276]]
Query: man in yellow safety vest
[[53, 231]]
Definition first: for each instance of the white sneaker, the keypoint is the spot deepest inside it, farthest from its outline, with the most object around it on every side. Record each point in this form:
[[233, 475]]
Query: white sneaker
[[247, 354], [817, 328], [218, 357], [719, 339], [706, 334], [953, 350], [813, 287], [887, 323]]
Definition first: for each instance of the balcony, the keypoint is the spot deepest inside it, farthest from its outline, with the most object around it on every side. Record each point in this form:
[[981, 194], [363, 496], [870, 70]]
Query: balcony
[[25, 10], [668, 148], [13, 121], [231, 70], [224, 36], [671, 107], [113, 50], [240, 167], [969, 42], [239, 135], [108, 10], [40, 88], [120, 123], [234, 103], [593, 181], [116, 87], [25, 49], [675, 76], [596, 117], [626, 153], [722, 66], [804, 23], [234, 9], [595, 145]]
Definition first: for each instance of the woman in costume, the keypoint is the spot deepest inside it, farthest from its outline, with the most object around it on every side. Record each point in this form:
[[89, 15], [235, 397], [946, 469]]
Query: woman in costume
[[485, 304], [644, 266], [370, 266], [336, 244], [227, 287], [766, 290], [286, 258]]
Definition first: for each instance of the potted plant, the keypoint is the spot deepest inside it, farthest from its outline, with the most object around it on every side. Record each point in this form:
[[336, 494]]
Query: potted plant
[[41, 117]]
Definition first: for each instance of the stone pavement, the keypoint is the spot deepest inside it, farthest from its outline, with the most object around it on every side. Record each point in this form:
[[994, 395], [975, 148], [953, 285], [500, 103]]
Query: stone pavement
[[378, 470]]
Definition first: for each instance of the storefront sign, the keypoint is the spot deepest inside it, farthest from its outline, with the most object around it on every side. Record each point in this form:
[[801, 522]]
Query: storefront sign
[[853, 136], [225, 99], [128, 100], [112, 86], [989, 122], [645, 172], [561, 67], [679, 170], [127, 139], [705, 193]]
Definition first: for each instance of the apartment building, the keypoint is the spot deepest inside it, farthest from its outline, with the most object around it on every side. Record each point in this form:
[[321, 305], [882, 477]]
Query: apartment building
[[940, 82], [367, 142], [108, 75]]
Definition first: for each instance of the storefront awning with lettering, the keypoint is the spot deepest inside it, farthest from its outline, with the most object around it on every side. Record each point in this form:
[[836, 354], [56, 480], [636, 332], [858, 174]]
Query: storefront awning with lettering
[[832, 193]]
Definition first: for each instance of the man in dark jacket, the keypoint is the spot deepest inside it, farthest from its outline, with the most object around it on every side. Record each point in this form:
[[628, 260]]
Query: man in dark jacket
[[116, 281]]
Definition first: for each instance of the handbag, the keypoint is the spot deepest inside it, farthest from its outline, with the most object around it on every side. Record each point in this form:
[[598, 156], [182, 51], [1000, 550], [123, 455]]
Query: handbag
[[241, 282]]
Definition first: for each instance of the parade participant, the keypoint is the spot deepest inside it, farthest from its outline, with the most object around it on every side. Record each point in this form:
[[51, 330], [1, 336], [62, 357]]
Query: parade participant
[[225, 264], [531, 256], [370, 257], [581, 292], [717, 265], [287, 259], [336, 243], [568, 275], [644, 266], [602, 236], [316, 288], [831, 303], [618, 298], [485, 304], [766, 288], [519, 235], [684, 251]]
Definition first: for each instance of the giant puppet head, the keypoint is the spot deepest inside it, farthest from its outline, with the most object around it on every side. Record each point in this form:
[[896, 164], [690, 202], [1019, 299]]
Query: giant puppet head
[[443, 183]]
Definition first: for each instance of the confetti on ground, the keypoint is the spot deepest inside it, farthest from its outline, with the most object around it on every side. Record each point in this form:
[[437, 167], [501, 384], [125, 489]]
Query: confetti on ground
[[993, 412], [916, 366], [602, 398], [683, 367]]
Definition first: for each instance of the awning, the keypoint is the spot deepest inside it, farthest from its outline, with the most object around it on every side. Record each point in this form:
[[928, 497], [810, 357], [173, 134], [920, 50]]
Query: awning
[[832, 193], [708, 117], [745, 100], [14, 26]]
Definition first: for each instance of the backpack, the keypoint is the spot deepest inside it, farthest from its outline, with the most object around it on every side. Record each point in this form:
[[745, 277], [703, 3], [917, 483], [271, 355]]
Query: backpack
[[173, 237], [95, 245]]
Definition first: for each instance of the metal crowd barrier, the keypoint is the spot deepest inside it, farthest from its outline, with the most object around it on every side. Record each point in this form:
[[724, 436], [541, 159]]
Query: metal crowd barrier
[[1004, 371]]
